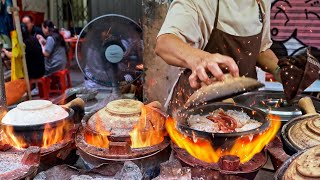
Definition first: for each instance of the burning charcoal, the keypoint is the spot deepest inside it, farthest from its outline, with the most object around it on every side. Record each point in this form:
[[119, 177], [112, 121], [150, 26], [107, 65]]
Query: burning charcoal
[[119, 148], [173, 170], [130, 171], [229, 163], [4, 147], [31, 156]]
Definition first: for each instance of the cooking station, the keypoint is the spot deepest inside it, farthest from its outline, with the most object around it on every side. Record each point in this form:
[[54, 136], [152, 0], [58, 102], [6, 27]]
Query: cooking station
[[81, 146], [226, 130]]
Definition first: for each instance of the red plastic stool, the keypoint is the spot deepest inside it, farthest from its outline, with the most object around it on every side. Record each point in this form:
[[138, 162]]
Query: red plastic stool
[[62, 79], [43, 86]]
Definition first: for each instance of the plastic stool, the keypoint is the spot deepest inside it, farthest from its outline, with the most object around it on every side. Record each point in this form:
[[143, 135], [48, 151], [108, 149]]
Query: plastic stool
[[63, 82], [43, 86]]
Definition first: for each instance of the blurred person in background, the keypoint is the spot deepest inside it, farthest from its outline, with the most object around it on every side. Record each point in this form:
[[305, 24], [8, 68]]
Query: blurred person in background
[[32, 29], [53, 48], [34, 56]]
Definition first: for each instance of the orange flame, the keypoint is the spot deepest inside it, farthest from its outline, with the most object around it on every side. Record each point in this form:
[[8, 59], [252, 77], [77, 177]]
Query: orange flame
[[98, 138], [150, 129], [51, 135], [245, 147], [15, 141]]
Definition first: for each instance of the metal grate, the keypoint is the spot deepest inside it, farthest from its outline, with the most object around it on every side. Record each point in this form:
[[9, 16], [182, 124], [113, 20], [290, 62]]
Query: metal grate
[[72, 14]]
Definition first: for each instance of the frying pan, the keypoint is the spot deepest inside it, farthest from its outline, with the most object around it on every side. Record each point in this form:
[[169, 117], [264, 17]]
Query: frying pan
[[32, 134], [221, 140], [307, 106]]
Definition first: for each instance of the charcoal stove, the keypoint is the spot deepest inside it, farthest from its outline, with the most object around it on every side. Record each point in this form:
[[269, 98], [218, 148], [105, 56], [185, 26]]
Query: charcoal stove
[[96, 146], [229, 155], [228, 167], [55, 139], [120, 151], [273, 103]]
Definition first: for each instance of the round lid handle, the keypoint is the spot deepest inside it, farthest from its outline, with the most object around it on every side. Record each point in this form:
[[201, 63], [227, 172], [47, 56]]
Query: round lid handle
[[34, 105], [124, 106]]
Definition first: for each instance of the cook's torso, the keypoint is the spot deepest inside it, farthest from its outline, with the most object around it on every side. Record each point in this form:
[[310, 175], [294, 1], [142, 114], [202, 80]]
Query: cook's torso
[[243, 49]]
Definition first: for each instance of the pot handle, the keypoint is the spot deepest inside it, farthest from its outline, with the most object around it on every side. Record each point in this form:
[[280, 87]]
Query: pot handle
[[306, 105], [78, 107]]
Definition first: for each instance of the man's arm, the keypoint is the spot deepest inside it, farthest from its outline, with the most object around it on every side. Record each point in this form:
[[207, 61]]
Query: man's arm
[[178, 53], [268, 62]]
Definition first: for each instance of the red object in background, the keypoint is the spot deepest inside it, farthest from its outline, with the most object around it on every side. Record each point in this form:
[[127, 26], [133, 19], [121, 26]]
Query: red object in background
[[296, 18], [60, 81], [43, 86], [72, 48], [270, 78]]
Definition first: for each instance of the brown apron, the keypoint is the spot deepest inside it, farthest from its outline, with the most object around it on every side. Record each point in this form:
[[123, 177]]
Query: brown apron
[[244, 50]]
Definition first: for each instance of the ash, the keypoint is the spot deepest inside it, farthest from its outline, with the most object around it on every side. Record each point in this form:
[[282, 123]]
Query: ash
[[130, 171], [10, 162]]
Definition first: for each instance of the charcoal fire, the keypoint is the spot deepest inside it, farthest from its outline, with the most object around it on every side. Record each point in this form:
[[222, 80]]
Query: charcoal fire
[[124, 130]]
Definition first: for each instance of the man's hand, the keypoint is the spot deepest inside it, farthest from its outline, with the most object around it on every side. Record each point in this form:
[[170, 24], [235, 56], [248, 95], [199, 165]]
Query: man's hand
[[176, 52], [211, 63]]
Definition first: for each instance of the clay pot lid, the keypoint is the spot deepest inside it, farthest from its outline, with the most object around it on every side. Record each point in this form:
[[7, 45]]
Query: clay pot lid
[[34, 112], [305, 166], [305, 133], [124, 106]]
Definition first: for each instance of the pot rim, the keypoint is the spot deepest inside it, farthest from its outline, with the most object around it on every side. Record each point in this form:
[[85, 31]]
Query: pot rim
[[278, 175], [186, 129], [285, 128]]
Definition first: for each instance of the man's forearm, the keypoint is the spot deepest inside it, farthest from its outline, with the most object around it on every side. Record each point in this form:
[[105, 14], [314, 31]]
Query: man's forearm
[[268, 61], [177, 53]]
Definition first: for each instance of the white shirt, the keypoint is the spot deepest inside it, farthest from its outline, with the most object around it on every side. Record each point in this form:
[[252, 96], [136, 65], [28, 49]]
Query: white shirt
[[193, 20]]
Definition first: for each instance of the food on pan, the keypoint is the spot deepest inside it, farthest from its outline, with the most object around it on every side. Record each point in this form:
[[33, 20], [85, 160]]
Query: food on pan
[[305, 133], [220, 121], [305, 166]]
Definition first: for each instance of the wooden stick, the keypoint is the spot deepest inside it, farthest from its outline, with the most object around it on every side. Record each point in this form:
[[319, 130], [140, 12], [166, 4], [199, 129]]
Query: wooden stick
[[3, 99], [18, 29]]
